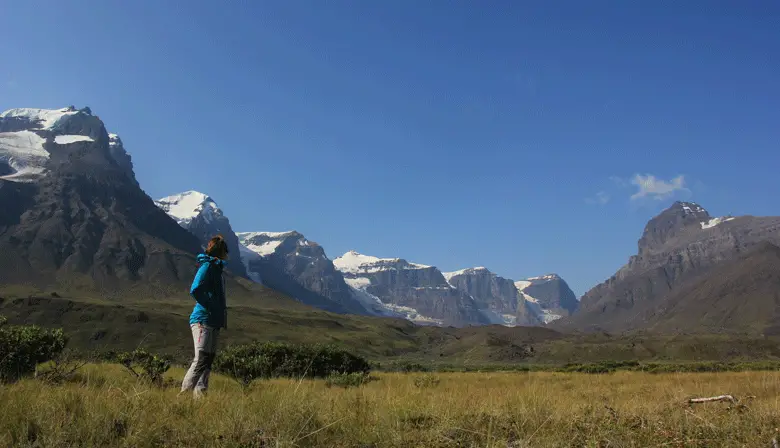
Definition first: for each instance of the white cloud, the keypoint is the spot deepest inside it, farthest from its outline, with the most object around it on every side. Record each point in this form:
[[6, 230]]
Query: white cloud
[[601, 198], [652, 187]]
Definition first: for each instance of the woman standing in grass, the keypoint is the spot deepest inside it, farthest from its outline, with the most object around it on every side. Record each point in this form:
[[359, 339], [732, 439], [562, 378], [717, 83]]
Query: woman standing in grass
[[208, 316]]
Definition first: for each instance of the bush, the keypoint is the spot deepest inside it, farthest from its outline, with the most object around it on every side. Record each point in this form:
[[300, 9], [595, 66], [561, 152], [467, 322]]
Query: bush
[[347, 380], [63, 367], [22, 348], [146, 366], [427, 380], [273, 359], [407, 367]]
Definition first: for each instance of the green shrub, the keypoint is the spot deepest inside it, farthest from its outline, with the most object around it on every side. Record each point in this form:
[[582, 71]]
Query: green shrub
[[145, 365], [22, 348], [427, 380], [273, 359], [347, 380]]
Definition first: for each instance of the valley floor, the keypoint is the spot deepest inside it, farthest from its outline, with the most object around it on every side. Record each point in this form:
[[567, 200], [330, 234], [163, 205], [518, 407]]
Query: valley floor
[[104, 406]]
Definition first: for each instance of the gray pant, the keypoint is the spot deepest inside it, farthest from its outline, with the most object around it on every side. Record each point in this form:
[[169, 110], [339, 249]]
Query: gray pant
[[205, 341]]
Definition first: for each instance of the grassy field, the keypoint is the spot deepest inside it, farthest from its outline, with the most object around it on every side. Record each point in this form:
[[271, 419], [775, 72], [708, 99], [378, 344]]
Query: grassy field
[[104, 406]]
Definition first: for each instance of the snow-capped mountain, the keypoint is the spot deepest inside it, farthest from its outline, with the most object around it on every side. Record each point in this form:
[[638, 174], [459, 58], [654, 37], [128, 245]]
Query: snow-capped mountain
[[550, 295], [71, 208], [418, 292], [497, 297], [33, 142], [199, 214], [290, 263]]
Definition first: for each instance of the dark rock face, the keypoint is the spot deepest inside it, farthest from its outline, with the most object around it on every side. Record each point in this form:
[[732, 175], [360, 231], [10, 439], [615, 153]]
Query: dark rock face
[[293, 265], [84, 221], [200, 215], [679, 244], [419, 292]]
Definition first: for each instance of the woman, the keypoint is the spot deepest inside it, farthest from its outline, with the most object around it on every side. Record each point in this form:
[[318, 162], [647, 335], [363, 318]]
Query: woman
[[208, 316]]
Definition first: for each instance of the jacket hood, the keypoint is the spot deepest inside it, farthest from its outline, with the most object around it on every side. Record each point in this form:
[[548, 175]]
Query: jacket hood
[[203, 258]]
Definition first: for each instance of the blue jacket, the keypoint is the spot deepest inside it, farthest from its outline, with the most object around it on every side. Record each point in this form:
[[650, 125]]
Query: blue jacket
[[208, 290]]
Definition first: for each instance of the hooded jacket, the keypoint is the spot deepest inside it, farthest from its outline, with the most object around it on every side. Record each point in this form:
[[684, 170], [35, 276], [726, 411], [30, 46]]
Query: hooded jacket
[[208, 290]]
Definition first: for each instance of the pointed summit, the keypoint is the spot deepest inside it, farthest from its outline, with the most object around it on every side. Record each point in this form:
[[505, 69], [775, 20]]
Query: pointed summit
[[198, 213], [673, 221], [186, 206]]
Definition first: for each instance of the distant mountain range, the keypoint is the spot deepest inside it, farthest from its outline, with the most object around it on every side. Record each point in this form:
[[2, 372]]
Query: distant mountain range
[[360, 284], [73, 217]]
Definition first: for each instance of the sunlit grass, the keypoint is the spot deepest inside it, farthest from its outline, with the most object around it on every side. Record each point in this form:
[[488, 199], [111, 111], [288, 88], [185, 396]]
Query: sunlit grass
[[104, 406]]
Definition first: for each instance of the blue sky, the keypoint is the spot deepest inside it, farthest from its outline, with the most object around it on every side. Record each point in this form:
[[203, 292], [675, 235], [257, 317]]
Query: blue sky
[[527, 137]]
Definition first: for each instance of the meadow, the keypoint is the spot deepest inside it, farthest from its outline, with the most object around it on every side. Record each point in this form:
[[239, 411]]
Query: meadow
[[102, 405]]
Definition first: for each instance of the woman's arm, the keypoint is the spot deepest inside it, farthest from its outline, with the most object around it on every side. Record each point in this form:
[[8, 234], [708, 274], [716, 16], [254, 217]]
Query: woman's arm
[[199, 289]]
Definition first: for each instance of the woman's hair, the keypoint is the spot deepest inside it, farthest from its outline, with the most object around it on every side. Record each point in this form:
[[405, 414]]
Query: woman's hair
[[217, 247]]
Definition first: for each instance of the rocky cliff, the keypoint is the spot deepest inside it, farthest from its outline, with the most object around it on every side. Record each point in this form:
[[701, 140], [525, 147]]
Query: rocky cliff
[[498, 298], [419, 292]]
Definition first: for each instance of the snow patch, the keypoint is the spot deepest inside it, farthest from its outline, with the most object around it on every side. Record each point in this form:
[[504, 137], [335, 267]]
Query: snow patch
[[548, 316], [244, 236], [522, 284], [412, 314], [715, 221], [247, 255], [355, 263], [529, 298], [265, 249], [44, 119], [68, 139], [24, 154], [544, 277], [691, 207], [467, 271], [358, 282]]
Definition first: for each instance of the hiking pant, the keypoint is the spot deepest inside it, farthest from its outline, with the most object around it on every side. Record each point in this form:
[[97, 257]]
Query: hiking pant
[[205, 341]]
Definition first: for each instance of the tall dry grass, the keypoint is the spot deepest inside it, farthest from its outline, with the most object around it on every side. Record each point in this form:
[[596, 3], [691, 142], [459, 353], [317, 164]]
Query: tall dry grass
[[106, 407]]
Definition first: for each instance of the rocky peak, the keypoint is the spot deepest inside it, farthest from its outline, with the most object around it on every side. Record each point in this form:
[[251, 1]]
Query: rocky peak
[[198, 213], [187, 206], [672, 222]]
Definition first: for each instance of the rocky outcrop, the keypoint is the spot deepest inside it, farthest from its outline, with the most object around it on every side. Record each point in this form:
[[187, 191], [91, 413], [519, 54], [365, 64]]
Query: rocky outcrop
[[679, 244], [290, 263], [418, 292], [201, 216]]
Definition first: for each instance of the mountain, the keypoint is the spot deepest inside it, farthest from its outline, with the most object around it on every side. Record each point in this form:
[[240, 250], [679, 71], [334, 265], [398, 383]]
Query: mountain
[[418, 292], [201, 216], [497, 297], [72, 213], [678, 245], [741, 295], [290, 263], [551, 293]]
